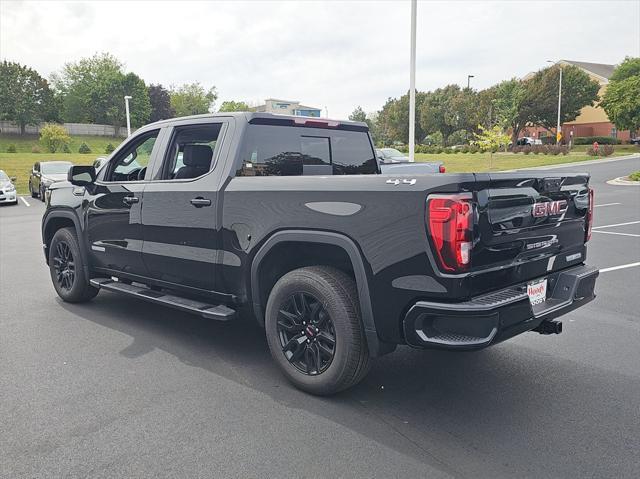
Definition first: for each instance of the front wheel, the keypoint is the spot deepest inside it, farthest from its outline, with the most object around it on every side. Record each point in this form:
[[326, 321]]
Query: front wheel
[[42, 194], [67, 268], [314, 330]]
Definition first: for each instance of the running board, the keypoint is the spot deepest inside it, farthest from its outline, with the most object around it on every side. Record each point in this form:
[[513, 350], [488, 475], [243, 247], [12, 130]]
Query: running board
[[206, 310]]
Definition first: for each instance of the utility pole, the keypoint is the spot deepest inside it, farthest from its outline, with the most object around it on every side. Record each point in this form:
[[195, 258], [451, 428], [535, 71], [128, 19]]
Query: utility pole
[[412, 83], [126, 107], [559, 126]]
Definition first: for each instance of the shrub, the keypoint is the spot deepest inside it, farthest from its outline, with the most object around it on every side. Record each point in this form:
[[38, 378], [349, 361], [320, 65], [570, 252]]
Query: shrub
[[604, 150], [11, 148], [84, 148], [465, 149], [36, 149], [448, 151], [474, 149], [607, 150], [54, 137], [635, 176], [526, 149], [109, 149], [66, 149], [602, 140], [516, 149]]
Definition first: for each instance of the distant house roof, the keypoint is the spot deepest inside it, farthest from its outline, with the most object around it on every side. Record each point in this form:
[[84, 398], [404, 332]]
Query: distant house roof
[[601, 70]]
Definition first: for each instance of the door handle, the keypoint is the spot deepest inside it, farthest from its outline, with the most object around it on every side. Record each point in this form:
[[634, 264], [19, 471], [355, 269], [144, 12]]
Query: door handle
[[199, 202], [129, 200]]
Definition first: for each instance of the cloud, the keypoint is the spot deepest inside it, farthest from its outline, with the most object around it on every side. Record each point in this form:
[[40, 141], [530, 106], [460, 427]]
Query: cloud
[[334, 54]]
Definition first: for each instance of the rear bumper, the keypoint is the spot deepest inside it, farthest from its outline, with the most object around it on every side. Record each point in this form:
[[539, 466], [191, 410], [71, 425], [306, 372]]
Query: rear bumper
[[494, 317]]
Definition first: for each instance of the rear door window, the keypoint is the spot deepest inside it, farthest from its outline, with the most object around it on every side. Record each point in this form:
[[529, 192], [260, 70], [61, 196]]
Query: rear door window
[[270, 150]]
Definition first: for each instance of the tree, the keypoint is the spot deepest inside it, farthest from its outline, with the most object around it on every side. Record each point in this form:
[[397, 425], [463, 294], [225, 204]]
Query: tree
[[358, 114], [54, 137], [192, 99], [491, 139], [621, 100], [231, 105], [393, 119], [160, 101], [509, 109], [93, 91], [630, 67], [540, 104], [447, 110], [25, 97]]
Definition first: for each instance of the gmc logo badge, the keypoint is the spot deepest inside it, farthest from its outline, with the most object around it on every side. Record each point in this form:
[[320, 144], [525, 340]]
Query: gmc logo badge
[[549, 208]]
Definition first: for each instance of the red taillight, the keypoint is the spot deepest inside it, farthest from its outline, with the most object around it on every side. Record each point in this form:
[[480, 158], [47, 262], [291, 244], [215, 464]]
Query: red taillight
[[442, 169], [450, 227], [589, 215]]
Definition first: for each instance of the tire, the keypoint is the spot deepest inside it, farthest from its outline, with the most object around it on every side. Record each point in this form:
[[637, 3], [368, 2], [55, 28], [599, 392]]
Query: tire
[[328, 299], [33, 195], [42, 194], [67, 268]]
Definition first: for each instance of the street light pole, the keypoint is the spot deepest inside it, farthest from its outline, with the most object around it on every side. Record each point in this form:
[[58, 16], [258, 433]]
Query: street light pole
[[469, 77], [412, 83], [558, 127], [126, 107]]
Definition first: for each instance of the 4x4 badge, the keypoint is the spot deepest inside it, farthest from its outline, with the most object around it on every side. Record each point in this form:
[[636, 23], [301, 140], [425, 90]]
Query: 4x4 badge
[[404, 182]]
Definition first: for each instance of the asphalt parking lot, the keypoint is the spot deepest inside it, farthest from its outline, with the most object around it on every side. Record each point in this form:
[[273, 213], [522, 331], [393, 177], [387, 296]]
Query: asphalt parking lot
[[121, 388]]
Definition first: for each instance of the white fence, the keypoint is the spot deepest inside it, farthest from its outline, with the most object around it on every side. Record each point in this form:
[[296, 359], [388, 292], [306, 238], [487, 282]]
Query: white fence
[[72, 128]]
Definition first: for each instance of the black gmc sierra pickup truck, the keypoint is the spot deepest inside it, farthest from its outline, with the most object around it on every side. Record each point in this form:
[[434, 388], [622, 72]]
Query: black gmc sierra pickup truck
[[289, 220]]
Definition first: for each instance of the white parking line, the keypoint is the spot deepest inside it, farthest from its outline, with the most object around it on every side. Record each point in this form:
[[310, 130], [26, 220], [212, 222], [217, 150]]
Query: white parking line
[[623, 266], [26, 203], [607, 204], [618, 224], [616, 233]]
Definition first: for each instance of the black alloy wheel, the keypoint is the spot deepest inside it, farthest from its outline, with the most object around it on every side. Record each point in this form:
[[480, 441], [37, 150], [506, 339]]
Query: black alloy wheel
[[64, 266], [307, 334]]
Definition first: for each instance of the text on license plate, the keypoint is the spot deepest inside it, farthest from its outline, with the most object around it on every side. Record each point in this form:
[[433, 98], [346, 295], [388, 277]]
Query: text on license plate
[[537, 291]]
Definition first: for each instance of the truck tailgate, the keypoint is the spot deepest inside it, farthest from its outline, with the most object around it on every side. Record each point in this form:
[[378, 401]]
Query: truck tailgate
[[531, 223]]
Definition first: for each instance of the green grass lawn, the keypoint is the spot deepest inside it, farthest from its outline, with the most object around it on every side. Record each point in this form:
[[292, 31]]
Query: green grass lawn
[[477, 162], [19, 164]]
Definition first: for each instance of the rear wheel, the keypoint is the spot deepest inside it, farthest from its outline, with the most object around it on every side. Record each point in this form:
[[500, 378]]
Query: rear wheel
[[314, 330], [67, 269], [33, 193]]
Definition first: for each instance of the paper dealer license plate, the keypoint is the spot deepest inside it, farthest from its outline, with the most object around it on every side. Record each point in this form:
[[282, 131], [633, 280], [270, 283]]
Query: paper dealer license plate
[[537, 291]]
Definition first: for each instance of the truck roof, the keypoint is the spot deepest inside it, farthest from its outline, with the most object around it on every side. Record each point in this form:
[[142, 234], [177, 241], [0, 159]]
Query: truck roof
[[255, 115]]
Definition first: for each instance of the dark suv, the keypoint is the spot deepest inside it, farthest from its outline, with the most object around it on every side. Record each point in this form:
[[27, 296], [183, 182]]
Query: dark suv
[[289, 220]]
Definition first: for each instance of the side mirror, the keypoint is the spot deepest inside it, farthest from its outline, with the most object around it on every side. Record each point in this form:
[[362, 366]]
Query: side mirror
[[81, 175]]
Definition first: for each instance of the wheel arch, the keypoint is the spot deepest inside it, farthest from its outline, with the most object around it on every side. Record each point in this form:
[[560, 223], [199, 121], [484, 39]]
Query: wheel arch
[[57, 219], [322, 238]]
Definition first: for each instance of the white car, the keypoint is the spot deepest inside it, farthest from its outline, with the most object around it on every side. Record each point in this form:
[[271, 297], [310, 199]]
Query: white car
[[7, 189]]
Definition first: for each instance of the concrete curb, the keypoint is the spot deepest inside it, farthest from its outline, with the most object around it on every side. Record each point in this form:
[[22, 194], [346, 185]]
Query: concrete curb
[[622, 181], [635, 156]]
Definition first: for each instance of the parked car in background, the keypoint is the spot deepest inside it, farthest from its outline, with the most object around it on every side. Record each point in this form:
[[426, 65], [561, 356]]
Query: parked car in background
[[390, 163], [7, 189], [527, 140], [391, 155], [44, 174], [635, 141]]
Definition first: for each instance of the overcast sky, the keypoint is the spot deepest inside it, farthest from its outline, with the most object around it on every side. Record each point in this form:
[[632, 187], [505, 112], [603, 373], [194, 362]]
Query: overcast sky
[[330, 53]]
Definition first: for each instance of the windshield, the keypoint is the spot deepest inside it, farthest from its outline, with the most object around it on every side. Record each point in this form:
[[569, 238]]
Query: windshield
[[3, 176], [57, 168], [392, 153]]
